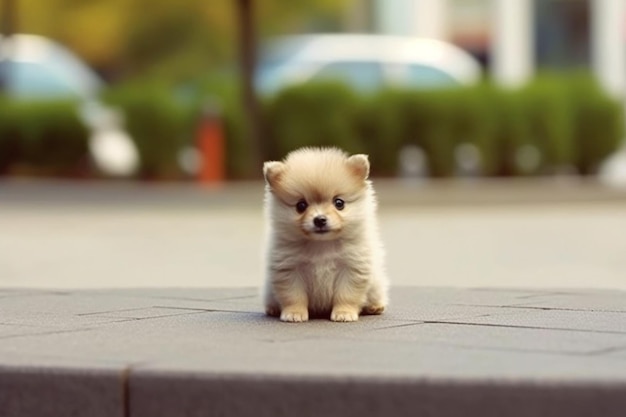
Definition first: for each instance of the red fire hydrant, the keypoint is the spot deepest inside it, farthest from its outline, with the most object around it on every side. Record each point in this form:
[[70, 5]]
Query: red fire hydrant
[[210, 142]]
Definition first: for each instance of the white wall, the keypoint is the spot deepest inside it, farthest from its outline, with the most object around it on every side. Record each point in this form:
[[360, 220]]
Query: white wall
[[423, 18], [512, 43], [608, 44]]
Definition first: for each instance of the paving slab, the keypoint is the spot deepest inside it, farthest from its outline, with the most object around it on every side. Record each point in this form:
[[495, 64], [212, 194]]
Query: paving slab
[[207, 351]]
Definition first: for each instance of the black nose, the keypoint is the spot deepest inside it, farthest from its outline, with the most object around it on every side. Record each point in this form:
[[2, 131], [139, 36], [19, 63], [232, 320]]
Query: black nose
[[319, 221]]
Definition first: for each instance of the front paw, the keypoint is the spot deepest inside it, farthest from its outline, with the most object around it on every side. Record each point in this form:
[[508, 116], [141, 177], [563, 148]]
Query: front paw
[[344, 314], [294, 315]]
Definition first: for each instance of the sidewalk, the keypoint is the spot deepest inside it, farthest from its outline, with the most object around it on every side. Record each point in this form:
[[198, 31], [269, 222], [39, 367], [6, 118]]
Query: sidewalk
[[200, 352], [538, 234]]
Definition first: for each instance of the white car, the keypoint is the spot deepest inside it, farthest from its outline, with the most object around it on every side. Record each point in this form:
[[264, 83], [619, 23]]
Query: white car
[[37, 68], [365, 62]]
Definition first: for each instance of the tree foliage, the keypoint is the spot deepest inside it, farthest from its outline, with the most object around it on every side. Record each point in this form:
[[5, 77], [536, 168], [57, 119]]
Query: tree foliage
[[169, 39]]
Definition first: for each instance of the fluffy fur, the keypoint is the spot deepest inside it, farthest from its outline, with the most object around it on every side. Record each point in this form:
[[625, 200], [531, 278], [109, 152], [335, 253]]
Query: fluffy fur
[[319, 267]]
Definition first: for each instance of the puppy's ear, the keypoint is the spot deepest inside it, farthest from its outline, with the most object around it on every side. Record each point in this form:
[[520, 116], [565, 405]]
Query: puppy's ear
[[272, 171], [359, 165]]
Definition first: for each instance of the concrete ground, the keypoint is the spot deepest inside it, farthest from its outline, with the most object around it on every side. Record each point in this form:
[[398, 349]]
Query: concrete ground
[[513, 234], [141, 300]]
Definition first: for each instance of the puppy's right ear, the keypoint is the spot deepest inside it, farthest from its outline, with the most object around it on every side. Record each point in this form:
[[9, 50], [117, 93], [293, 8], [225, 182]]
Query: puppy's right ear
[[272, 171]]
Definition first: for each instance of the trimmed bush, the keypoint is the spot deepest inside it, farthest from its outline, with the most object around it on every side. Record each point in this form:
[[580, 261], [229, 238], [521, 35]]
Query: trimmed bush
[[11, 148], [473, 122], [42, 138], [157, 124], [397, 118], [163, 119], [382, 136], [549, 119], [597, 123], [311, 115], [568, 121]]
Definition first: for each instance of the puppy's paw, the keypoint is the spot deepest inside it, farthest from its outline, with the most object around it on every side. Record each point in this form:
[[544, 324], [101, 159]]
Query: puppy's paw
[[373, 309], [344, 314], [294, 315]]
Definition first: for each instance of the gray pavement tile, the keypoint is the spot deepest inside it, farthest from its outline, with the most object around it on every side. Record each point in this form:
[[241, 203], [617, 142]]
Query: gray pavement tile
[[8, 330], [142, 313], [227, 299], [250, 304], [15, 356], [36, 319], [87, 308], [149, 339], [617, 354], [504, 338], [440, 304], [591, 321], [41, 391], [592, 301], [191, 294], [70, 302], [13, 292], [464, 296], [441, 312]]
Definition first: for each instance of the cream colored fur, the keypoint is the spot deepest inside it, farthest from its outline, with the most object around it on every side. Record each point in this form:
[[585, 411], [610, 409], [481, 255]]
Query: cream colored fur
[[339, 272]]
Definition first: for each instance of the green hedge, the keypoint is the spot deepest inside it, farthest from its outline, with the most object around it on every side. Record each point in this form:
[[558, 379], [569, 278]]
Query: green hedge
[[156, 122], [434, 121], [568, 120], [597, 124], [163, 119], [312, 114], [42, 138]]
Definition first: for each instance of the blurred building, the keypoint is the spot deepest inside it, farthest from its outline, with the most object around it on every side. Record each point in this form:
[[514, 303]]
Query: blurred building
[[514, 38]]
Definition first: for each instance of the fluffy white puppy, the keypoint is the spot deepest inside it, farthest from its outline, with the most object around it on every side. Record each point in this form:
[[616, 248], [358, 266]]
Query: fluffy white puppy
[[324, 254]]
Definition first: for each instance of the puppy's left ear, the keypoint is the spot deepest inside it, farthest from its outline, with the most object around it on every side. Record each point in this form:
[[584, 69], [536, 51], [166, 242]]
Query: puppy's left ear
[[360, 165], [272, 171]]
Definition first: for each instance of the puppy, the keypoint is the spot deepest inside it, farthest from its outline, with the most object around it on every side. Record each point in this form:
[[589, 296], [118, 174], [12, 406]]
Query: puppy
[[324, 254]]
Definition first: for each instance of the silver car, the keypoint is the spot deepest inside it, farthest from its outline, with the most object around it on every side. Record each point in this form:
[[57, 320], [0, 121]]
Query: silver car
[[365, 62], [37, 68]]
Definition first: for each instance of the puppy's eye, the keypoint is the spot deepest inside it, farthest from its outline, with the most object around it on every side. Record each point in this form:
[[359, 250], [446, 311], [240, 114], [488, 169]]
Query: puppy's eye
[[339, 203], [301, 206]]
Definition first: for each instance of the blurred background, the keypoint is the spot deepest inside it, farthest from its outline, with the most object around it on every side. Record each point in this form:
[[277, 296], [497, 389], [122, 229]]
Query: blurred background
[[501, 121], [106, 88]]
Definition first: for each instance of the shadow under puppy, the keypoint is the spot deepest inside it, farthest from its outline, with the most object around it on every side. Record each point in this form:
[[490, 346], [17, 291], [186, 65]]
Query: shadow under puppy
[[324, 254]]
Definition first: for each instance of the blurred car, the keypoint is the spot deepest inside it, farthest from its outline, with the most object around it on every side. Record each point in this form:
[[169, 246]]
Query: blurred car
[[365, 62], [37, 68]]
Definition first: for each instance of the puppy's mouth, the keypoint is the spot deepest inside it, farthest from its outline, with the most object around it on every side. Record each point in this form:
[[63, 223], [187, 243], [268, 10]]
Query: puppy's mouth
[[321, 233]]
